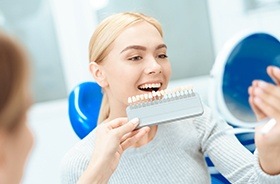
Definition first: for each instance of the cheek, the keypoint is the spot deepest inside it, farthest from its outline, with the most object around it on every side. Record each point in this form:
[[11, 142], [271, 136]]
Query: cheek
[[166, 67], [125, 82], [122, 83], [124, 75]]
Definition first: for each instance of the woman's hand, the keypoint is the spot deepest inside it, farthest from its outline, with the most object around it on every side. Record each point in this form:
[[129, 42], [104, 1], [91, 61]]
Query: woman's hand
[[112, 139], [265, 102]]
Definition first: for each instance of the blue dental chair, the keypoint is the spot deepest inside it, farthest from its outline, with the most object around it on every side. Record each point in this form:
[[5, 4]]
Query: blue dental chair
[[243, 59], [83, 107]]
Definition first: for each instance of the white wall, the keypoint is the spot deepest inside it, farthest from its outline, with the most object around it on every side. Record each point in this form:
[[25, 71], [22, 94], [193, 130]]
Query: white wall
[[229, 17], [74, 22]]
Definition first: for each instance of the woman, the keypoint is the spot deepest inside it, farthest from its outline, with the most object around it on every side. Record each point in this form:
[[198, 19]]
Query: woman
[[128, 57], [16, 138]]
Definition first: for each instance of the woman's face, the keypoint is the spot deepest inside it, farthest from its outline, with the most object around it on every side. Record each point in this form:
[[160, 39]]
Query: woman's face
[[136, 64]]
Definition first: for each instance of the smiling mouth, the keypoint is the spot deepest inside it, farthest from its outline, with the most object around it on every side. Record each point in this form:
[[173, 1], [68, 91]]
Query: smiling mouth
[[150, 87]]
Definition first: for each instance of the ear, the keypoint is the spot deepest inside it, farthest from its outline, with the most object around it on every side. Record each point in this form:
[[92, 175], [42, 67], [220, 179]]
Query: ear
[[97, 71]]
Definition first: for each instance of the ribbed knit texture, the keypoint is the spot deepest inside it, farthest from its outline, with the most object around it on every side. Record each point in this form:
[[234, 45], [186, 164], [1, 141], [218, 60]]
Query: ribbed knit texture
[[176, 155]]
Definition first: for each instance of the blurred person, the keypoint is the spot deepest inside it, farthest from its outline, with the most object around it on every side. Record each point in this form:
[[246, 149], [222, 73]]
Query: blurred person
[[16, 138]]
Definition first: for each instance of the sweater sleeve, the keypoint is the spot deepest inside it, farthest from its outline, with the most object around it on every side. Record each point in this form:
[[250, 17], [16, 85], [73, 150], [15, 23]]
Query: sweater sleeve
[[72, 166], [229, 156]]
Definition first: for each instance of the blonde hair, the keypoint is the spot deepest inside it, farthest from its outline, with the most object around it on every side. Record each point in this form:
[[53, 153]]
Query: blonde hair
[[13, 81], [103, 37]]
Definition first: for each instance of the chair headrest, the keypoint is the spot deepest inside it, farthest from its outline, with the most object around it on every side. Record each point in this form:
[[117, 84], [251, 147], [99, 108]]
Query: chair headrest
[[83, 107]]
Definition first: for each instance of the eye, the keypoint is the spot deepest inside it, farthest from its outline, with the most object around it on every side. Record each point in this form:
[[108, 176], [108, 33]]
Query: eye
[[162, 56], [135, 58]]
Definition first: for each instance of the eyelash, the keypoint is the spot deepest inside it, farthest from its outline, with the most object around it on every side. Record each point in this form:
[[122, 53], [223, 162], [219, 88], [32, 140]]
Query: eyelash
[[137, 58], [162, 56]]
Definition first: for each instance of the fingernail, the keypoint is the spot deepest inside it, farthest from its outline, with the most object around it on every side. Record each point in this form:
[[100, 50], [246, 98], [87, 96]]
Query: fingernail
[[135, 120]]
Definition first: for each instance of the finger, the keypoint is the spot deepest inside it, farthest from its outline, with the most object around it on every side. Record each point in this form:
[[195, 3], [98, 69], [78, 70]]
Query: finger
[[274, 73], [268, 109], [252, 87], [132, 140], [267, 91], [250, 91], [271, 102], [127, 127], [260, 115], [255, 83], [270, 89], [116, 123], [269, 94], [129, 134]]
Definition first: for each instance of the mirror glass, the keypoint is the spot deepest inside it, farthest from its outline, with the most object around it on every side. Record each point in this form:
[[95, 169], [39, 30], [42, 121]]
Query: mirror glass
[[248, 61]]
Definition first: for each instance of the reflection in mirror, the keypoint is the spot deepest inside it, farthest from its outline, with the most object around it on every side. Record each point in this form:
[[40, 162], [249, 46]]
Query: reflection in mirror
[[248, 61]]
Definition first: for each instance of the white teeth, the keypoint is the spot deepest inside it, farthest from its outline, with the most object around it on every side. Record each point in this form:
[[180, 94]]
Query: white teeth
[[167, 93], [147, 86]]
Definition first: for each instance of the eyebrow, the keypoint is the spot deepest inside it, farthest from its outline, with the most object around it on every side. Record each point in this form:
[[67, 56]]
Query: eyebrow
[[139, 47], [161, 46]]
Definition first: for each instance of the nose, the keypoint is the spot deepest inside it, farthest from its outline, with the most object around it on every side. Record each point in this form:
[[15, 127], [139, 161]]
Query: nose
[[153, 67]]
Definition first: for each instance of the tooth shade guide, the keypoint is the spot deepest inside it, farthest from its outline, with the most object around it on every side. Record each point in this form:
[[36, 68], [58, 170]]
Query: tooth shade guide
[[162, 94], [168, 105]]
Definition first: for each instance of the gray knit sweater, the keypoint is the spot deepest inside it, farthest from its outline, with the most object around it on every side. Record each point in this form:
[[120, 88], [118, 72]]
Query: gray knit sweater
[[176, 155]]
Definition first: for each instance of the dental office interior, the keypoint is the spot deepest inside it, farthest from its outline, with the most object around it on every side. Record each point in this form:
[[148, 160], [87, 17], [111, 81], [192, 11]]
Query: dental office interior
[[57, 32]]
